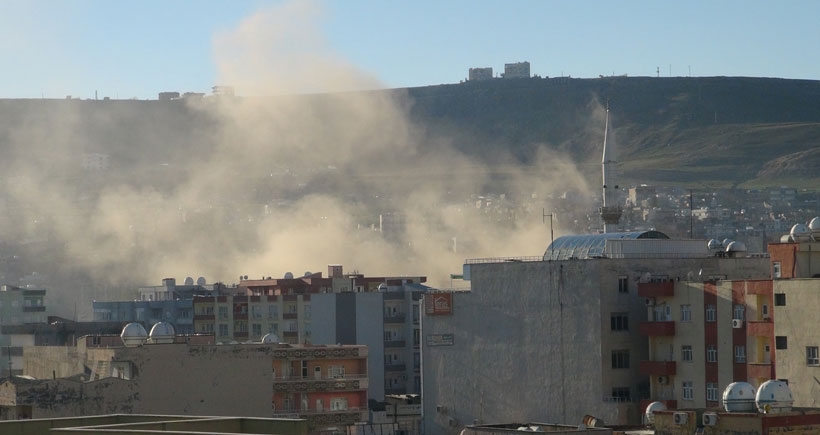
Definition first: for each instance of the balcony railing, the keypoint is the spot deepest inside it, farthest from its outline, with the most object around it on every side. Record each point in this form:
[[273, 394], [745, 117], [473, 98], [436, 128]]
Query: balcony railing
[[395, 367], [394, 343], [662, 368], [34, 309], [284, 413], [204, 316], [289, 316], [656, 289], [396, 318], [657, 329], [763, 328]]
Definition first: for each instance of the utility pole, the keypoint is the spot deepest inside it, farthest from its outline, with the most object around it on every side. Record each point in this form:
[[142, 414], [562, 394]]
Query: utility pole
[[544, 220]]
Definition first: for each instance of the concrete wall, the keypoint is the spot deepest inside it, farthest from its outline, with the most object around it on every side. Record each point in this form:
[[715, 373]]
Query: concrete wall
[[797, 321]]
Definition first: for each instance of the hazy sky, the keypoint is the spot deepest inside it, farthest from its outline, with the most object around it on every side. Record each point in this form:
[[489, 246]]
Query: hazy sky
[[124, 49]]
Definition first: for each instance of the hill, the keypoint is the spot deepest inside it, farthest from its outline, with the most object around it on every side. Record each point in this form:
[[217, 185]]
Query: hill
[[709, 131]]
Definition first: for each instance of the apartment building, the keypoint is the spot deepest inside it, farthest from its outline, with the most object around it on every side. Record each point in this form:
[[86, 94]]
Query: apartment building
[[705, 335], [19, 306], [557, 337], [796, 288]]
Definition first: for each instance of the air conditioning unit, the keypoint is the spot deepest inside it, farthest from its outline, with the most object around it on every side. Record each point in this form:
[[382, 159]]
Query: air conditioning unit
[[650, 302], [663, 380], [680, 417], [709, 418], [737, 323]]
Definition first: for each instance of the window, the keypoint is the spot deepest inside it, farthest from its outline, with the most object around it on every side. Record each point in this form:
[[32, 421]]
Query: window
[[621, 394], [335, 372], [223, 330], [780, 299], [812, 356], [619, 321], [223, 313], [338, 404], [711, 392], [740, 354], [686, 352], [711, 353], [776, 269], [688, 390], [685, 313], [273, 312], [781, 342], [623, 284], [415, 314], [711, 313], [306, 310], [739, 312], [256, 328], [273, 328], [256, 311], [620, 359], [416, 337]]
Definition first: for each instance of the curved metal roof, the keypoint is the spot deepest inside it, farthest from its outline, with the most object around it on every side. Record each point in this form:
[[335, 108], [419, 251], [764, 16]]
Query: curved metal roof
[[591, 245]]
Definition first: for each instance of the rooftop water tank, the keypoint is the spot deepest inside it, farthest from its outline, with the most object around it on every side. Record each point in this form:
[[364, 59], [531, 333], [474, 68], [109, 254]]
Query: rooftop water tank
[[162, 333], [814, 227], [650, 411], [739, 397], [774, 397], [133, 335]]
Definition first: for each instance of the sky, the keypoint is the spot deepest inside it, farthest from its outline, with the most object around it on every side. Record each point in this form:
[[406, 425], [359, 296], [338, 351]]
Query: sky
[[119, 49]]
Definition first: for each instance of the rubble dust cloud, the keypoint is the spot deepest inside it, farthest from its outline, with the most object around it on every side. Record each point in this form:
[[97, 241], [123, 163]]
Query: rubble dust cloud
[[270, 181]]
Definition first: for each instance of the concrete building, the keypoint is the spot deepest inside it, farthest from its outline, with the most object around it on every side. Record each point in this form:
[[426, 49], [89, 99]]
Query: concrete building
[[480, 74], [326, 385], [796, 287], [18, 307], [518, 70], [704, 336], [555, 338], [690, 421], [386, 319]]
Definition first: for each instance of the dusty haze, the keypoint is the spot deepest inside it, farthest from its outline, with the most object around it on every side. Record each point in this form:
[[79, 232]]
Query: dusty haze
[[290, 175]]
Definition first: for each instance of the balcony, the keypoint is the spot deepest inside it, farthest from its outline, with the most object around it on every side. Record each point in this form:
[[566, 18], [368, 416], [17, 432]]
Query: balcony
[[290, 316], [296, 384], [290, 333], [759, 371], [240, 316], [396, 367], [322, 417], [661, 368], [657, 329], [396, 318], [240, 334], [34, 309], [656, 289], [764, 328], [394, 343], [198, 317]]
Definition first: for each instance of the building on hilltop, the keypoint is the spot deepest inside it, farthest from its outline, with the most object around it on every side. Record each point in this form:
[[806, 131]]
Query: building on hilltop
[[562, 329], [480, 74], [518, 70]]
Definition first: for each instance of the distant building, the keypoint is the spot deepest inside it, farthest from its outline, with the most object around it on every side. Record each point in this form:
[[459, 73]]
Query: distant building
[[518, 70], [95, 162], [224, 90], [480, 74], [168, 302], [167, 96], [18, 307]]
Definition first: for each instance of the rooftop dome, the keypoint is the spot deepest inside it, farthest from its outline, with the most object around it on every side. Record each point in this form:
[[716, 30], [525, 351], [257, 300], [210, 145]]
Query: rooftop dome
[[162, 333], [270, 338], [288, 275], [133, 334], [814, 227], [586, 246], [382, 287], [714, 244], [800, 233], [739, 397]]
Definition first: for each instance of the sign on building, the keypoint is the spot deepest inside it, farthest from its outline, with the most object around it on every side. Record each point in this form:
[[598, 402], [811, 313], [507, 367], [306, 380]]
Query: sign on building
[[438, 304]]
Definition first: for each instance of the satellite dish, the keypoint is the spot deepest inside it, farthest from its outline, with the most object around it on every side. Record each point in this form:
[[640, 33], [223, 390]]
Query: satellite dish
[[288, 275], [200, 280], [189, 281]]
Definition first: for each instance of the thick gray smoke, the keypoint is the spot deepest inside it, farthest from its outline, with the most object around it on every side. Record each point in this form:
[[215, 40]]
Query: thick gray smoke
[[292, 175]]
